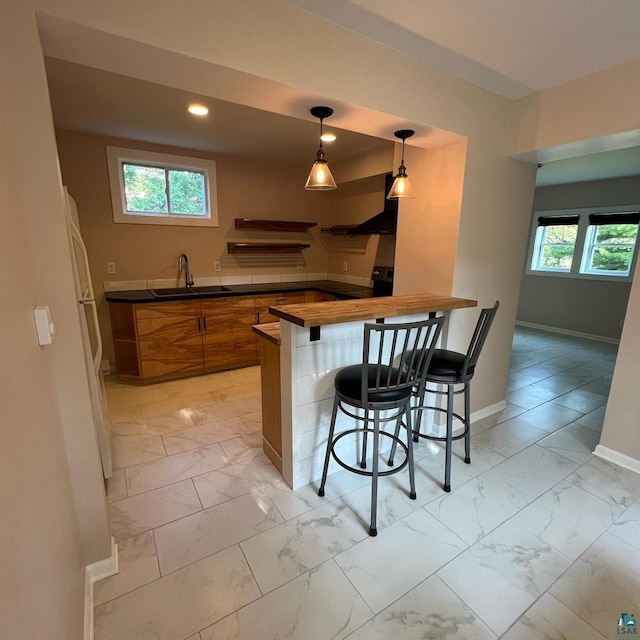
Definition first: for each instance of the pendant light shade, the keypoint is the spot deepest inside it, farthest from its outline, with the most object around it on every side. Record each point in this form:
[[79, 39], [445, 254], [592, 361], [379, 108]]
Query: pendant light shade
[[401, 187], [320, 178]]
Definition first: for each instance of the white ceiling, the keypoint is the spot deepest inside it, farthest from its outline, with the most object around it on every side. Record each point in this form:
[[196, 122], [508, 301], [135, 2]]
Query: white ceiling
[[510, 47], [96, 101]]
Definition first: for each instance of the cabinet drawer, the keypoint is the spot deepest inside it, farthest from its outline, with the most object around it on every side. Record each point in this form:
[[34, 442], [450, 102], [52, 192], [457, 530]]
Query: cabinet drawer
[[163, 309], [229, 313], [279, 299]]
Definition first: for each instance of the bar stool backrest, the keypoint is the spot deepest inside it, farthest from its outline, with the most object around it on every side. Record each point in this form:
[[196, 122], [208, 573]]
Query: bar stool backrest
[[477, 340], [387, 345]]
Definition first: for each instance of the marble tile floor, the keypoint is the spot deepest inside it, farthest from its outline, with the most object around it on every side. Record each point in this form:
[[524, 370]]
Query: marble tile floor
[[538, 539]]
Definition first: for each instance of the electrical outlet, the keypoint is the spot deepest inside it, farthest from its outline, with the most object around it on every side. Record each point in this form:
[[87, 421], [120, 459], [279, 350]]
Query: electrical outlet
[[111, 268], [621, 323], [299, 264], [345, 265], [216, 266]]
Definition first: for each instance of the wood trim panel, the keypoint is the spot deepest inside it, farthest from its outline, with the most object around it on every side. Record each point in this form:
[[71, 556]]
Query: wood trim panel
[[271, 403]]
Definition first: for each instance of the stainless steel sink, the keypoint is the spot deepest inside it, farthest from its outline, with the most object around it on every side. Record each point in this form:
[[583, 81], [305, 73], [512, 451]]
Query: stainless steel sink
[[187, 291]]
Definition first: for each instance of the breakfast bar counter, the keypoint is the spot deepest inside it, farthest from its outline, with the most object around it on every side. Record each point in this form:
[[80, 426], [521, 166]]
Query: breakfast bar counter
[[315, 341]]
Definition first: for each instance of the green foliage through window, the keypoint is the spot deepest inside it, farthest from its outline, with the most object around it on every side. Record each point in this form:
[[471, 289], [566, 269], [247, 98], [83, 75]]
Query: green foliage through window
[[557, 245], [160, 190], [610, 248]]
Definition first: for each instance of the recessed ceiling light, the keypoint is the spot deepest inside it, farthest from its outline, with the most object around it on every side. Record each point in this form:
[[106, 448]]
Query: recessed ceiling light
[[328, 137], [198, 109]]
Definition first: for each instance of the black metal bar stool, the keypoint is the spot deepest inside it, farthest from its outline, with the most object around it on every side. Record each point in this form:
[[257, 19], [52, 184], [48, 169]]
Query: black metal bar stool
[[451, 369], [379, 384]]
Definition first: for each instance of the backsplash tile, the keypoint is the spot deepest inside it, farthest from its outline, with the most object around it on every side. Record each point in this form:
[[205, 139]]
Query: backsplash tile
[[265, 279], [231, 280], [125, 285], [293, 277]]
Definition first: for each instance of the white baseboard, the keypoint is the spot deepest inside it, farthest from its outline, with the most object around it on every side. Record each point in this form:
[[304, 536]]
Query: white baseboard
[[615, 457], [94, 572], [488, 411], [567, 332], [480, 414]]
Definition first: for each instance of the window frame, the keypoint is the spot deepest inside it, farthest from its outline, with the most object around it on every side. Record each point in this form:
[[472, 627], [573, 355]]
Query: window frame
[[117, 156], [539, 242], [581, 248]]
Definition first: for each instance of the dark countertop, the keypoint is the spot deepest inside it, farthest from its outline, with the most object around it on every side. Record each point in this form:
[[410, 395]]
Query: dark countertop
[[349, 291]]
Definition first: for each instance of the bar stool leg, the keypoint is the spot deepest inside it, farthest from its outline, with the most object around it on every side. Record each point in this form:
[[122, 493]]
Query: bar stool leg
[[467, 422], [420, 401], [373, 530], [365, 434], [412, 474], [396, 434], [449, 442], [332, 428]]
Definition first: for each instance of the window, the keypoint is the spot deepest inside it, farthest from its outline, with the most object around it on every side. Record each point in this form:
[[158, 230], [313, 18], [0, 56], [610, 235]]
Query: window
[[555, 243], [610, 243], [161, 189], [585, 244]]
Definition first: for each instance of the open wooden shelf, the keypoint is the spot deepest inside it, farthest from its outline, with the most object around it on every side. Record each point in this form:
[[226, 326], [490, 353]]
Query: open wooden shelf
[[280, 226], [264, 247], [339, 230]]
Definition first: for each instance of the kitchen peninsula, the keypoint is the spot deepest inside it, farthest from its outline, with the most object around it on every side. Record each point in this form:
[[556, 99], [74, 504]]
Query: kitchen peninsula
[[314, 341]]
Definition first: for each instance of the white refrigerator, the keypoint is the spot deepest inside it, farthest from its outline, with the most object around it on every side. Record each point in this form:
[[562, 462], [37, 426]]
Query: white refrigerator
[[91, 339]]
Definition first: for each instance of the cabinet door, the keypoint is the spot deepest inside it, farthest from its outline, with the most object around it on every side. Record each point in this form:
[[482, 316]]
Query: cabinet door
[[318, 296], [169, 338], [275, 300], [227, 338]]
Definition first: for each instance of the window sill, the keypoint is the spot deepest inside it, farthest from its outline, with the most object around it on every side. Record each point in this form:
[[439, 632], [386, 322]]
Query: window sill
[[579, 276]]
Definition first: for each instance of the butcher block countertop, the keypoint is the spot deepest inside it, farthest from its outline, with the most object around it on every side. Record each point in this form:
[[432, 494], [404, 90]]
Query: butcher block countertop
[[269, 331], [317, 314]]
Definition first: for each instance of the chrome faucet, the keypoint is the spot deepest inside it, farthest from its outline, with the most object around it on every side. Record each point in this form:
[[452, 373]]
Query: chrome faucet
[[183, 263]]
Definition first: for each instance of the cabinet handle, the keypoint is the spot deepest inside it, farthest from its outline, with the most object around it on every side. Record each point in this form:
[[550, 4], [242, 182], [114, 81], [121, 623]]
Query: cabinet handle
[[204, 322], [281, 299], [199, 327]]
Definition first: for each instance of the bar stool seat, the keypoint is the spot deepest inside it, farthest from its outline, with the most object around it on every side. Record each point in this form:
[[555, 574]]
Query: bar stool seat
[[379, 385], [348, 383]]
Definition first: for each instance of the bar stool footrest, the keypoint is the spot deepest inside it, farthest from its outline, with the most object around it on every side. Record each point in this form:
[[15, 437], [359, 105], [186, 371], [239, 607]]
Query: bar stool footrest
[[457, 416], [359, 469]]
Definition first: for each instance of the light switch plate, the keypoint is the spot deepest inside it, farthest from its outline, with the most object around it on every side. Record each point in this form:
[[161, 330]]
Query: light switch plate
[[44, 327]]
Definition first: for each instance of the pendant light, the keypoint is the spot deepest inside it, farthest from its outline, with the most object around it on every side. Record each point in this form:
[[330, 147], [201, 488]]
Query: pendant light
[[320, 178], [401, 187]]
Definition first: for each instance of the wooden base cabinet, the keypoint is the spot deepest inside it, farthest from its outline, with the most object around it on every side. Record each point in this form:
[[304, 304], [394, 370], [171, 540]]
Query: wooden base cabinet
[[162, 340], [156, 341]]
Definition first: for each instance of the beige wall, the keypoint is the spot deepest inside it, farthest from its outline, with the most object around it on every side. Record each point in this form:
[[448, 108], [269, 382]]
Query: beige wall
[[595, 113], [620, 431], [246, 189], [52, 503], [428, 224], [589, 306]]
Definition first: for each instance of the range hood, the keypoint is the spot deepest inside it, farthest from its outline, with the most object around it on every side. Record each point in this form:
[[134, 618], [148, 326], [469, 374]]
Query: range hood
[[385, 222]]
